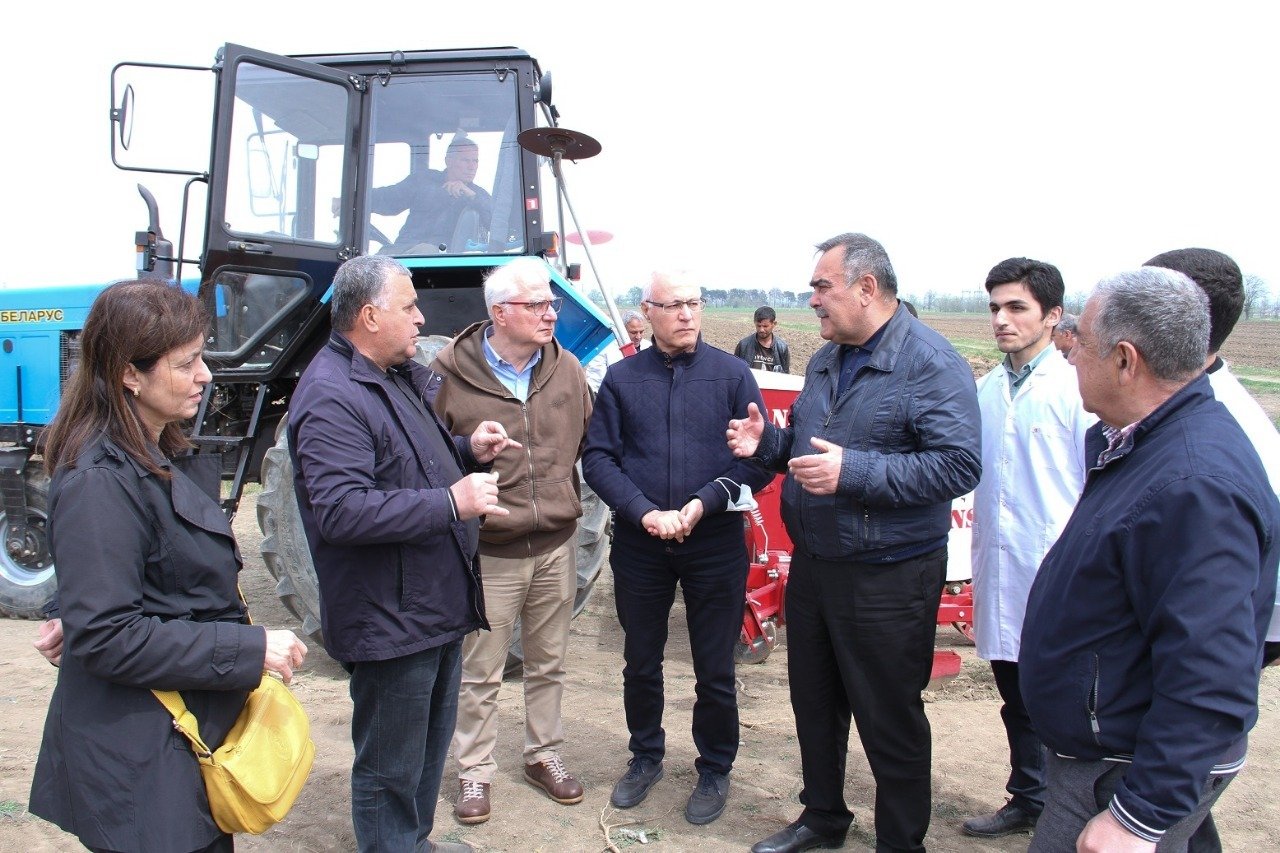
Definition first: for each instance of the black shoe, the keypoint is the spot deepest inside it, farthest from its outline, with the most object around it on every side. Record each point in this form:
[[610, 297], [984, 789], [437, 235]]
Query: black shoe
[[642, 774], [707, 800], [1006, 821], [795, 838]]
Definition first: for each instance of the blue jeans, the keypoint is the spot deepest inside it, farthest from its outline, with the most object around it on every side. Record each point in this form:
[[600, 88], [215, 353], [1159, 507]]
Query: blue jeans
[[402, 722]]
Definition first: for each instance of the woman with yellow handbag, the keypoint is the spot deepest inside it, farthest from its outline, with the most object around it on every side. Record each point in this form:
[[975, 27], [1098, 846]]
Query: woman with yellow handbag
[[147, 591]]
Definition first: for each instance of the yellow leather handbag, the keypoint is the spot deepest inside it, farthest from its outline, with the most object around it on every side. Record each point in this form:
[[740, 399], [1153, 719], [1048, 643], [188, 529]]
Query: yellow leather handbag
[[257, 773]]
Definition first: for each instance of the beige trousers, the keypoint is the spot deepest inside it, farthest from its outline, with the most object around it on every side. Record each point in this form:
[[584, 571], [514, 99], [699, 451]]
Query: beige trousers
[[539, 590]]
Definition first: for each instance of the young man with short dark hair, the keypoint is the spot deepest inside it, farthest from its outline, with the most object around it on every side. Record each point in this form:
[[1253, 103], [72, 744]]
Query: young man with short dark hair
[[764, 350]]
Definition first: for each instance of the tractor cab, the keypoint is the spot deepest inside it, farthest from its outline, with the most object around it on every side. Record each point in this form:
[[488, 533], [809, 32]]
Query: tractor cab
[[316, 159]]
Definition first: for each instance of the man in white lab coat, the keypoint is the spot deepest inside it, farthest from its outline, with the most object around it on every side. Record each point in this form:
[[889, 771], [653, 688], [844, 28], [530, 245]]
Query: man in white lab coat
[[1033, 427]]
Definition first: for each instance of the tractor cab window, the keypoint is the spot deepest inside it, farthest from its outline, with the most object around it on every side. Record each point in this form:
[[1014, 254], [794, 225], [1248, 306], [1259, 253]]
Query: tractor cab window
[[286, 156], [444, 165]]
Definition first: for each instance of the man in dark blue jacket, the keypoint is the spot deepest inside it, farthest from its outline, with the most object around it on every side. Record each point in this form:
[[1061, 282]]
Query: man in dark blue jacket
[[654, 454], [1144, 630], [392, 524], [883, 437]]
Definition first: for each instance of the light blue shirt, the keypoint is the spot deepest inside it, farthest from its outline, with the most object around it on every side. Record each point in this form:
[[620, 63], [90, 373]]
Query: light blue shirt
[[515, 381]]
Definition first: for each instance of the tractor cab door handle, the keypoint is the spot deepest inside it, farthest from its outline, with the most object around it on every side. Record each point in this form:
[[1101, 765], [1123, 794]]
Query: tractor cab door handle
[[250, 248]]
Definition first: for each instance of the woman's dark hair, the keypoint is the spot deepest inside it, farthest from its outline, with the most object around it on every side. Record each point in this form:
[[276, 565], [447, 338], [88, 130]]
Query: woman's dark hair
[[131, 322]]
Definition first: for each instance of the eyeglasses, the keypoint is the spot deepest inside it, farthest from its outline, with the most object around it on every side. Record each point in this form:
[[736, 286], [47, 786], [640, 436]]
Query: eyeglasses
[[541, 307], [694, 306]]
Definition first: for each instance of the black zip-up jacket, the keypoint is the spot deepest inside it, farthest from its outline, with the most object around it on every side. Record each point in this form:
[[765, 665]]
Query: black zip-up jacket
[[911, 436], [656, 438], [1145, 624]]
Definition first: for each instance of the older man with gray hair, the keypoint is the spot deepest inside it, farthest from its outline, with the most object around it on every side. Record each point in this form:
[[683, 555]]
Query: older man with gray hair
[[1144, 630], [510, 368], [1064, 334], [654, 455]]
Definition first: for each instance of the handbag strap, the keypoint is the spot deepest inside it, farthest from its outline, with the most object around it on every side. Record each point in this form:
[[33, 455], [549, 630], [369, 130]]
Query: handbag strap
[[183, 720]]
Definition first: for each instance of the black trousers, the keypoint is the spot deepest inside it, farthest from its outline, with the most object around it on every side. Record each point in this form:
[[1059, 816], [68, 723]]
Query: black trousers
[[712, 574], [860, 645], [1026, 753]]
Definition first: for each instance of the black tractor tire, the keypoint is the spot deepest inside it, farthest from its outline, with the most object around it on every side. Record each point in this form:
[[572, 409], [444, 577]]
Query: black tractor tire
[[28, 582], [284, 542], [288, 559]]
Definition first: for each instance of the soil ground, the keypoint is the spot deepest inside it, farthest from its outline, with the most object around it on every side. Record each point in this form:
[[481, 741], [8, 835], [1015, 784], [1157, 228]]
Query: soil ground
[[969, 763]]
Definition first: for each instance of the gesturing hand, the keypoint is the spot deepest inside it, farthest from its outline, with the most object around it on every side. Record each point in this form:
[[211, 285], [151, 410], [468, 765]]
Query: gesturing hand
[[818, 473], [743, 435], [285, 653], [489, 439], [476, 495]]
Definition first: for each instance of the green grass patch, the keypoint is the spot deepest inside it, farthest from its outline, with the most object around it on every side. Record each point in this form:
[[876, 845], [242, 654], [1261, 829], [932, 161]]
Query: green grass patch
[[11, 808]]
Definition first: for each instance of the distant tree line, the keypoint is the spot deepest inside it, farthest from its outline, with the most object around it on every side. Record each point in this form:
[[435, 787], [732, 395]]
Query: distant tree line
[[1258, 302]]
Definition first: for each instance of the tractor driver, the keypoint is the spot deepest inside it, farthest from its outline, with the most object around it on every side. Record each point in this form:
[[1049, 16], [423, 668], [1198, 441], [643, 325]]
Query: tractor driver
[[446, 209]]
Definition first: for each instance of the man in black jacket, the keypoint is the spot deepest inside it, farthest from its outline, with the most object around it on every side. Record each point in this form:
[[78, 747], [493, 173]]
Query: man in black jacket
[[764, 350], [655, 456], [883, 437], [1145, 625], [392, 522]]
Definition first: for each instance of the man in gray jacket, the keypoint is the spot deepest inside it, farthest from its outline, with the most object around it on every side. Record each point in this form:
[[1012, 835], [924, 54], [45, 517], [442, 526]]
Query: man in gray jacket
[[883, 437]]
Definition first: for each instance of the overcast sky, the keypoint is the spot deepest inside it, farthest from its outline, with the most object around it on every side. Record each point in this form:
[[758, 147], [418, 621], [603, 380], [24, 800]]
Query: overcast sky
[[1090, 135]]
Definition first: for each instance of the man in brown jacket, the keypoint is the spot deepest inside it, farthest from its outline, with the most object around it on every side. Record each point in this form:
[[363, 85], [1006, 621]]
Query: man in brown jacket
[[511, 369]]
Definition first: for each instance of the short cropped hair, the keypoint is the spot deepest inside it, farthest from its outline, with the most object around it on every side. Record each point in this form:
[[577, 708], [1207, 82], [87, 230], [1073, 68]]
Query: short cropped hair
[[359, 282], [1220, 279], [506, 281], [1042, 279], [1068, 323], [764, 312], [863, 255], [631, 314], [1162, 313]]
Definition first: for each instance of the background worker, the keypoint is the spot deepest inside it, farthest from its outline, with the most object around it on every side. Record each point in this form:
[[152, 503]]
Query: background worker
[[765, 350], [1064, 334]]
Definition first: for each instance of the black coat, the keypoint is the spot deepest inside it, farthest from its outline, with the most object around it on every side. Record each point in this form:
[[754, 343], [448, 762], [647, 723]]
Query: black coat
[[147, 573], [372, 473]]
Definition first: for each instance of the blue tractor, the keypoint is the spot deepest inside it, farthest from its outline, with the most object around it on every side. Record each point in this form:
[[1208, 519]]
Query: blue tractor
[[434, 157]]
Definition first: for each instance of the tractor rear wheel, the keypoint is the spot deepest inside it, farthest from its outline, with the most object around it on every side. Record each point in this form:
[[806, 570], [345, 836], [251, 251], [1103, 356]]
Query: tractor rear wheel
[[27, 581]]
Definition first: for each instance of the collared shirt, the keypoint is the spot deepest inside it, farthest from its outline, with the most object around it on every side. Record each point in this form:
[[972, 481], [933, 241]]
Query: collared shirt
[[1017, 377], [515, 381], [854, 358]]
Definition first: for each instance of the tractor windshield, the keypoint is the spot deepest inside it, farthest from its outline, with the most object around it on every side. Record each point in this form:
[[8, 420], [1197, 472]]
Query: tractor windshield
[[444, 165]]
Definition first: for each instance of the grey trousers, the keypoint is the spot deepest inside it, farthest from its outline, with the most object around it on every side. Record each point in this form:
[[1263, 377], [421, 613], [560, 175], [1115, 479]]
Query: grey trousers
[[1079, 790]]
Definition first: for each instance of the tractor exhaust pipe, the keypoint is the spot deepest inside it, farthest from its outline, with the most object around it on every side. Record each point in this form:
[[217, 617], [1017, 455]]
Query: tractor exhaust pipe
[[154, 252]]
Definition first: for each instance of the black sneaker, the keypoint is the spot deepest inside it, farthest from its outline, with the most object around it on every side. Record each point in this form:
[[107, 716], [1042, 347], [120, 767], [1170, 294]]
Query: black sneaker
[[1008, 820], [642, 773], [707, 800]]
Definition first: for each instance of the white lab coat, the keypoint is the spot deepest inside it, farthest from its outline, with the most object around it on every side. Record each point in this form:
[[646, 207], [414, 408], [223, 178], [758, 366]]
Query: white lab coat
[[1262, 434], [1032, 473]]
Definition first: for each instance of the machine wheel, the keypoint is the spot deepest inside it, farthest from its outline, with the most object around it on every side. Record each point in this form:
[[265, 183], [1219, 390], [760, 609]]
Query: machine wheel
[[27, 580], [758, 652], [284, 542]]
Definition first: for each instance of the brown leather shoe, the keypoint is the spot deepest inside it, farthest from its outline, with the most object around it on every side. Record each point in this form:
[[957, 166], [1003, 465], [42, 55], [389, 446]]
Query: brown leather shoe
[[550, 775], [473, 801]]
